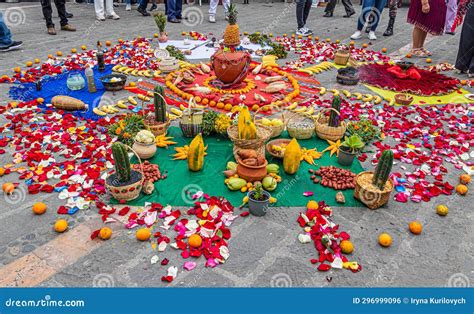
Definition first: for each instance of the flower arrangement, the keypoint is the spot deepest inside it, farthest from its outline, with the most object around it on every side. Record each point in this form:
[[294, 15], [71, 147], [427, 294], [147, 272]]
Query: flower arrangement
[[160, 20], [126, 128], [145, 137]]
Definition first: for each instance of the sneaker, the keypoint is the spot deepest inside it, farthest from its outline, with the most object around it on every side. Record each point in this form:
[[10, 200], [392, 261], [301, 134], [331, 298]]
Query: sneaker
[[372, 35], [212, 18], [308, 31], [69, 15], [128, 7], [302, 32], [68, 28], [356, 35], [51, 31], [143, 12], [153, 7], [100, 18], [13, 46], [113, 16]]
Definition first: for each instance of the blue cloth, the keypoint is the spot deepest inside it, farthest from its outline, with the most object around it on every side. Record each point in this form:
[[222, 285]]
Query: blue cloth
[[57, 85], [174, 8], [371, 8], [5, 35]]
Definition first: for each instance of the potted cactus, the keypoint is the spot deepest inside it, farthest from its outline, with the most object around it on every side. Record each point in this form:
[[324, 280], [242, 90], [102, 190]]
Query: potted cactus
[[160, 21], [374, 188], [158, 124], [349, 148], [331, 128], [259, 200], [124, 183]]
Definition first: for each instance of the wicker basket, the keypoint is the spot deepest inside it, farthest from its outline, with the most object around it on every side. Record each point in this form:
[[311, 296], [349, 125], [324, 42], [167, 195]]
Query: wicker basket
[[276, 130], [158, 129], [127, 192], [258, 144], [299, 132], [371, 199], [342, 57], [326, 132], [191, 121]]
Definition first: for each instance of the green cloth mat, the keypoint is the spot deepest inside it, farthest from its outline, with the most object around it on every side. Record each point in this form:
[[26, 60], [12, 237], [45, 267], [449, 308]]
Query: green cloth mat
[[181, 183]]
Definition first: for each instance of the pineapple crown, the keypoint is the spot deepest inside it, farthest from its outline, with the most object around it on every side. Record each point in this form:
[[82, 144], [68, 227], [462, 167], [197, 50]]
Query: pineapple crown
[[232, 14]]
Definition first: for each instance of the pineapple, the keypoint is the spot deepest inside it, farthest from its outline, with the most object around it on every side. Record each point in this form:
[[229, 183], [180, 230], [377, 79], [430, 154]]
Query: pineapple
[[232, 33]]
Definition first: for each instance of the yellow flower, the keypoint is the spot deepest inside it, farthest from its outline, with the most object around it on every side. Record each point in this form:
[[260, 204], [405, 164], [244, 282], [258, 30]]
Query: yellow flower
[[118, 131]]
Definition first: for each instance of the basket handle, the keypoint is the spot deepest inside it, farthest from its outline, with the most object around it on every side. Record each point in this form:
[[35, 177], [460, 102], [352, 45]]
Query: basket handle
[[139, 160], [326, 110], [271, 106]]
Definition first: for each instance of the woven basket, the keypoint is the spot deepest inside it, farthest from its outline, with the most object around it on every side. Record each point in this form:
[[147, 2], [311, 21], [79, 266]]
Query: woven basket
[[371, 199], [300, 133], [342, 57], [191, 121], [127, 192], [156, 129], [276, 130], [326, 132], [258, 144]]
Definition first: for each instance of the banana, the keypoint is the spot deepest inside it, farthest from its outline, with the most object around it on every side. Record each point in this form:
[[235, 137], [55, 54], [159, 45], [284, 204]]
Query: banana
[[310, 111], [147, 73], [140, 73], [391, 101], [306, 71], [300, 110], [98, 112], [335, 92], [173, 117], [377, 99], [116, 67], [292, 106], [105, 109], [322, 90], [177, 112], [113, 109], [121, 104], [358, 96], [156, 73], [367, 98], [134, 72], [122, 69], [346, 93], [132, 100], [143, 97], [182, 107], [128, 70]]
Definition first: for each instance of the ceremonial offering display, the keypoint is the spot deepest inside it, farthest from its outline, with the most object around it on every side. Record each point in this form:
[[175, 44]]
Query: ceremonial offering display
[[252, 166], [374, 188]]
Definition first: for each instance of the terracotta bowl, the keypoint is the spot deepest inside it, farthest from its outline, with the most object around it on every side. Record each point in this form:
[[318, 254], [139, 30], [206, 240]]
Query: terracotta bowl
[[251, 173], [403, 99], [276, 142]]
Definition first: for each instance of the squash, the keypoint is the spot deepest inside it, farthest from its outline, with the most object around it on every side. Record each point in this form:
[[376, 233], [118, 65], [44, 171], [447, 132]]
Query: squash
[[292, 157], [196, 154], [68, 103], [245, 126]]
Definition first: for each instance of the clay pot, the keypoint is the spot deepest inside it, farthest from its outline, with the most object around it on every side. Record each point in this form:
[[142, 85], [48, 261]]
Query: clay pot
[[231, 67], [251, 173], [163, 37], [144, 151]]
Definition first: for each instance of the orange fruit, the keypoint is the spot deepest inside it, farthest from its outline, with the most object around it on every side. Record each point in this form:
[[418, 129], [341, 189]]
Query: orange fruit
[[346, 246], [328, 40], [385, 240], [83, 47], [228, 107], [461, 189], [415, 227], [132, 84], [17, 70], [39, 208], [300, 36], [284, 35], [60, 226], [2, 171], [108, 43], [37, 60], [29, 63], [143, 234], [364, 45], [310, 37], [337, 41], [120, 40], [50, 56], [8, 187], [465, 179], [197, 99], [316, 38], [255, 107], [463, 82], [312, 205], [73, 50], [442, 210], [59, 53], [220, 105], [156, 35], [428, 60], [212, 103], [352, 43], [384, 50], [40, 100], [205, 101], [105, 233], [195, 240], [408, 55]]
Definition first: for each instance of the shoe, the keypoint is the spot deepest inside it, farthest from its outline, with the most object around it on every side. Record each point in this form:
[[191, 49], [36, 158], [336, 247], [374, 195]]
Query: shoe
[[349, 14], [372, 35], [153, 7], [308, 31], [113, 17], [303, 31], [389, 30], [128, 7], [327, 14], [212, 18], [143, 12], [69, 15], [51, 31], [100, 18], [68, 28], [450, 33], [13, 46], [356, 35], [174, 20]]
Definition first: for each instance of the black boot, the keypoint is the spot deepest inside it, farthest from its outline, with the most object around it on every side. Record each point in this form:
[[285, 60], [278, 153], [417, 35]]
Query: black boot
[[389, 31]]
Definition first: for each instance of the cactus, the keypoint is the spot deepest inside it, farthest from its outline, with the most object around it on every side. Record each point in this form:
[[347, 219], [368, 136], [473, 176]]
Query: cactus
[[122, 162], [334, 117], [160, 104], [384, 167]]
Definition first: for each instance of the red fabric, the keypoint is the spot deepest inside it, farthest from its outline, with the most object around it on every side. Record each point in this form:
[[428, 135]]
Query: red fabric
[[432, 22], [410, 73], [429, 84]]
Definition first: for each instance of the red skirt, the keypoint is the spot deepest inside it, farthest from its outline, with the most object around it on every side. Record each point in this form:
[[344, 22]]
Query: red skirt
[[432, 22]]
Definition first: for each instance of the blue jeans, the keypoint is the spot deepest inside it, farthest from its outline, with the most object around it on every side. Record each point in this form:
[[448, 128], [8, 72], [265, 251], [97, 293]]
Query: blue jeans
[[174, 8], [371, 7], [5, 35], [302, 11]]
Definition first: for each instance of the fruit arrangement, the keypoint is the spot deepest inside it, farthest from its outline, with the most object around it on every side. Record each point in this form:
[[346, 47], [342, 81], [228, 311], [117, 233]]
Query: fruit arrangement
[[251, 158], [126, 128], [271, 122], [245, 126], [151, 172], [208, 122], [236, 183], [333, 177]]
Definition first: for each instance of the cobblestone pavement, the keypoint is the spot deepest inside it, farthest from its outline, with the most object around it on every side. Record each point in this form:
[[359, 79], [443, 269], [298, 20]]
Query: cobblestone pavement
[[264, 251]]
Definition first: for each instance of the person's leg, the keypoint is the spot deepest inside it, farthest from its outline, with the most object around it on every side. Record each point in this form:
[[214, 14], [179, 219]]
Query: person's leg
[[330, 6], [99, 9], [392, 13], [452, 8], [465, 57], [128, 7], [307, 8], [179, 9], [418, 38], [213, 7], [226, 5], [348, 7], [171, 10], [367, 6], [47, 13], [300, 4], [379, 6], [5, 34], [61, 7], [142, 4], [109, 10]]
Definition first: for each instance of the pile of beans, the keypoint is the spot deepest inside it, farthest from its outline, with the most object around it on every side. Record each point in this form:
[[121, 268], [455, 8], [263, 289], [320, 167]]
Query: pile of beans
[[333, 177], [151, 172]]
